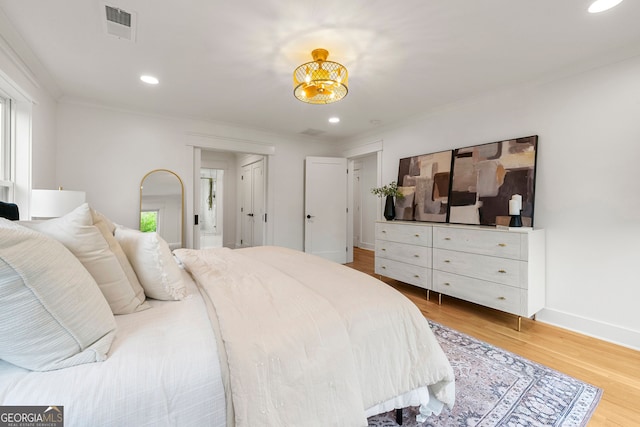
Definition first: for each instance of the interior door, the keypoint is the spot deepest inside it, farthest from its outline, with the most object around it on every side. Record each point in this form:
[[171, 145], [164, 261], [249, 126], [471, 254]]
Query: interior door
[[257, 185], [325, 231], [252, 208], [246, 225]]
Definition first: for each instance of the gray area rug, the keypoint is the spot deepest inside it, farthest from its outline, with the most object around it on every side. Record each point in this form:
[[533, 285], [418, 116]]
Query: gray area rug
[[497, 388]]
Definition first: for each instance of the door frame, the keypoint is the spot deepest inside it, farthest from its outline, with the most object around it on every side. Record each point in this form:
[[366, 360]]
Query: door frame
[[198, 142]]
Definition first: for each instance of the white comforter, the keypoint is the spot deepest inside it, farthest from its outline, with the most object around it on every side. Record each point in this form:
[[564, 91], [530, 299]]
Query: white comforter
[[312, 343], [162, 370]]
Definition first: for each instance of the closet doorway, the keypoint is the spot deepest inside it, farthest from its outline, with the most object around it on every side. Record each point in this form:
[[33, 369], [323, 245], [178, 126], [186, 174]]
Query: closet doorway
[[211, 208]]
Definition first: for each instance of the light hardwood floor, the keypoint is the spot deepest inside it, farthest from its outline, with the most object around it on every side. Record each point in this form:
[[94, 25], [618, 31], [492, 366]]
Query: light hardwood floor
[[613, 368]]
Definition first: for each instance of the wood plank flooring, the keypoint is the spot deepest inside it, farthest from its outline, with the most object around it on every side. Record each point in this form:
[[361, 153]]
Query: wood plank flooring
[[613, 368]]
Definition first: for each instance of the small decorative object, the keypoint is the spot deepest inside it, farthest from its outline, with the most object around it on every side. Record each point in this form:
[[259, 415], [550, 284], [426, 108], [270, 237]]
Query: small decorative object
[[515, 209], [389, 191]]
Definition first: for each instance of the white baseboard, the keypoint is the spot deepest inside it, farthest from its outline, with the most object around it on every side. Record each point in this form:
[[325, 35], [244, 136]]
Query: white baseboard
[[590, 327], [368, 246]]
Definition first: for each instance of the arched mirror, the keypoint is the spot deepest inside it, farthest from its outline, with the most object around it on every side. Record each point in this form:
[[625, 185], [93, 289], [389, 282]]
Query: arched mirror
[[162, 206]]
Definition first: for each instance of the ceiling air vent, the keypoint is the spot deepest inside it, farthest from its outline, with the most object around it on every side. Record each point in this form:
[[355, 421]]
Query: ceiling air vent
[[119, 23], [312, 132]]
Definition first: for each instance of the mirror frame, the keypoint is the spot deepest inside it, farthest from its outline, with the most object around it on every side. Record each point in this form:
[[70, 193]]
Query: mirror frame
[[182, 229]]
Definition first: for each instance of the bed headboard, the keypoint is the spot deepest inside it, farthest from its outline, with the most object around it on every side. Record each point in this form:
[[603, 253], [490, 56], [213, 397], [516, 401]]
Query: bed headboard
[[9, 211]]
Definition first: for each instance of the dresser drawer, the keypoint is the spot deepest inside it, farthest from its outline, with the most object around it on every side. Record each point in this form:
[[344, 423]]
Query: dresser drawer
[[485, 242], [403, 252], [500, 270], [489, 294], [404, 233], [412, 274]]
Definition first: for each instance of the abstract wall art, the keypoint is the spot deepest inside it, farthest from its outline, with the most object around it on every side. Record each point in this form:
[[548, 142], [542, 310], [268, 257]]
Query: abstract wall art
[[424, 182], [484, 177]]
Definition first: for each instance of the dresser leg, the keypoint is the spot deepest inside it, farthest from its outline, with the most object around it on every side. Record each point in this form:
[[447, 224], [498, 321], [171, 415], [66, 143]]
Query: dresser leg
[[439, 299], [519, 323], [427, 294]]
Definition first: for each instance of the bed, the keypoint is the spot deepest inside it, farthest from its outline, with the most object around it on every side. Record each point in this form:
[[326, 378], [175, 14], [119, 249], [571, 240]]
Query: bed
[[249, 337]]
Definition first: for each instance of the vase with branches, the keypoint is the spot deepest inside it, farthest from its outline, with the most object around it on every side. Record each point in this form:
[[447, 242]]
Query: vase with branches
[[389, 191]]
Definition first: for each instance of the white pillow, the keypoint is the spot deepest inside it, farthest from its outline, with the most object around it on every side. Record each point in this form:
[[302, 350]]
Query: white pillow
[[77, 232], [52, 312], [107, 229], [153, 262]]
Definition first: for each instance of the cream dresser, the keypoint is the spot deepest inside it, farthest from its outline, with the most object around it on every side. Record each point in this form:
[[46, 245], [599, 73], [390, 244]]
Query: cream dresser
[[501, 269], [403, 252]]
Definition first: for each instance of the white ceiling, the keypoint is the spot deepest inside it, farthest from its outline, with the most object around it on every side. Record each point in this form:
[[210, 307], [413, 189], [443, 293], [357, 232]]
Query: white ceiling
[[232, 61]]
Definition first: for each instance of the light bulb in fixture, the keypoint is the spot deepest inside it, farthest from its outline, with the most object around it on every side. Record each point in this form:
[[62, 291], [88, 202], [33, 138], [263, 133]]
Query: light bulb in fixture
[[149, 79], [602, 5], [334, 120]]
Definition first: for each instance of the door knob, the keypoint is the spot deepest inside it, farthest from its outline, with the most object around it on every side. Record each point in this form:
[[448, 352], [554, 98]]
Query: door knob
[[309, 216]]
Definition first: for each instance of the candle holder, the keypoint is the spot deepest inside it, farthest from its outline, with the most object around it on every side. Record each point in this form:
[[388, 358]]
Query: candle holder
[[516, 221]]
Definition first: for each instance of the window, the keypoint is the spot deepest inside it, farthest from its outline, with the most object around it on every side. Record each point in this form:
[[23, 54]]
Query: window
[[149, 221], [6, 159]]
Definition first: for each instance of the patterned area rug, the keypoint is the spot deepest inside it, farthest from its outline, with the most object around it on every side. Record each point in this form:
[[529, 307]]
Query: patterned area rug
[[497, 388]]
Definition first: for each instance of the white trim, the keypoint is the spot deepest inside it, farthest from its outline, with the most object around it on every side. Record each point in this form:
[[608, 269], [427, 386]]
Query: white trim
[[593, 328], [15, 59], [224, 143], [363, 150]]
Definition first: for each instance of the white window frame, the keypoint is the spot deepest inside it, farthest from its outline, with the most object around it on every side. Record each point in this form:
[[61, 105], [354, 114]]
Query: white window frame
[[7, 158], [20, 123]]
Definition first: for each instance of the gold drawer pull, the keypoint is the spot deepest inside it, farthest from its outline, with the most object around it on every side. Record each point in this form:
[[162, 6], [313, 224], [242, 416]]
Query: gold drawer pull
[[501, 298], [416, 276], [416, 256], [384, 249], [384, 231], [447, 284], [417, 235], [447, 261], [447, 238], [384, 268], [502, 244], [502, 271]]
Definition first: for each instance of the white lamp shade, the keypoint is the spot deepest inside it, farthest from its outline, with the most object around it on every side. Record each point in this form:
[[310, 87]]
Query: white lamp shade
[[55, 203]]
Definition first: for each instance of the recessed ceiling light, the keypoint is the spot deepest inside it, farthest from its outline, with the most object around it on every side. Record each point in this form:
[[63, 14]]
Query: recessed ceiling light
[[149, 79], [602, 5], [334, 120]]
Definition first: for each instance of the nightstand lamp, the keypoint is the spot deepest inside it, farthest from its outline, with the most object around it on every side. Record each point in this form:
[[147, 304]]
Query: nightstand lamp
[[54, 203]]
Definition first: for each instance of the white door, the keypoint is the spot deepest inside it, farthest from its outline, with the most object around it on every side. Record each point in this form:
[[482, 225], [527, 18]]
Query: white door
[[325, 231], [257, 177], [246, 225], [252, 207]]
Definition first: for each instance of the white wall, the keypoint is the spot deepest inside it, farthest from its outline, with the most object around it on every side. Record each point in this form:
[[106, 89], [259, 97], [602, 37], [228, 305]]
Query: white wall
[[587, 196], [106, 153]]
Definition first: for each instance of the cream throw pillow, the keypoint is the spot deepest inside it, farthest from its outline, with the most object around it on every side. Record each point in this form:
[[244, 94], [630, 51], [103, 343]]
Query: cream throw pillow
[[52, 314], [107, 229], [77, 232], [153, 263]]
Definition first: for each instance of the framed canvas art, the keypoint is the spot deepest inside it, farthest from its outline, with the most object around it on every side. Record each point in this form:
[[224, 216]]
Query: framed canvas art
[[484, 177], [424, 182]]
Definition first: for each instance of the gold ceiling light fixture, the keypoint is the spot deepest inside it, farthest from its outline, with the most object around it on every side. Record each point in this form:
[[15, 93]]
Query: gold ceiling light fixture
[[320, 81]]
